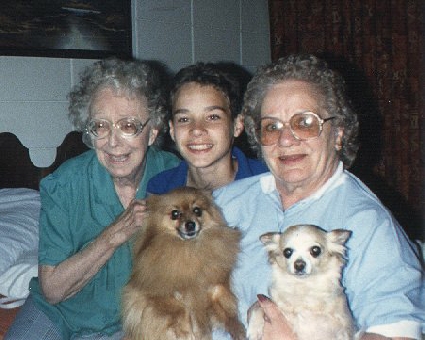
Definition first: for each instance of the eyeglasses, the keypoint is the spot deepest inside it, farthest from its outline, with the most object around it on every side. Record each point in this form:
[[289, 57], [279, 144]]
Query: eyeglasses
[[303, 126], [128, 127]]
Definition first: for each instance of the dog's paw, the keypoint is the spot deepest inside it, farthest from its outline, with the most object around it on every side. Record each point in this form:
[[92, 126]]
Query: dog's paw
[[240, 335], [255, 322], [236, 330], [254, 334]]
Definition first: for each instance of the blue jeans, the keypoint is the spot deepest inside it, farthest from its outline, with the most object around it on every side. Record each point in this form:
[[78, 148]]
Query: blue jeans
[[32, 324]]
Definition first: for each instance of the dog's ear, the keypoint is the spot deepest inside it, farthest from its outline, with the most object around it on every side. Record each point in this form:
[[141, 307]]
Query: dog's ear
[[339, 236], [152, 199], [207, 192], [336, 240], [270, 240]]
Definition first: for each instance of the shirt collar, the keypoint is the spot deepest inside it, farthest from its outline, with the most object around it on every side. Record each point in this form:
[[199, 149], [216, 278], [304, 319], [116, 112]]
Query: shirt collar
[[268, 183]]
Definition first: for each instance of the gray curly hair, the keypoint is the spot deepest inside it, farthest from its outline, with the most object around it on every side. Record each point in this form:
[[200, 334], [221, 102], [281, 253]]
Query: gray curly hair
[[129, 78], [309, 68]]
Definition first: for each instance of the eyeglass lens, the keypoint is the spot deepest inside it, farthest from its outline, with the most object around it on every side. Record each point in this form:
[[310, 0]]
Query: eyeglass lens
[[303, 126], [128, 127]]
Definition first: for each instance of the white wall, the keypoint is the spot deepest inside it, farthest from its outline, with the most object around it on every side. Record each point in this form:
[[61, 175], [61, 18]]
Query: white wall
[[33, 102]]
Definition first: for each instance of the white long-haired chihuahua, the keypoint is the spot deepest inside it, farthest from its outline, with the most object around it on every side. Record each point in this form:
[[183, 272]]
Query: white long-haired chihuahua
[[306, 265]]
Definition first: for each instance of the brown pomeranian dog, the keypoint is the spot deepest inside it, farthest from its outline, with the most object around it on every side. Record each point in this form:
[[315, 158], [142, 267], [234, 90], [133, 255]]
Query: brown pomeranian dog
[[183, 258]]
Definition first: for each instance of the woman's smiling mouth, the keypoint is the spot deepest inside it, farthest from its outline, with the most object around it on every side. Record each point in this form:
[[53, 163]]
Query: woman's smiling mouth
[[292, 158], [118, 158]]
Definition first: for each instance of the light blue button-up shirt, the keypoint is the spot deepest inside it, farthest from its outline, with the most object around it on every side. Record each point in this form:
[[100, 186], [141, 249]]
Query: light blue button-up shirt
[[383, 278]]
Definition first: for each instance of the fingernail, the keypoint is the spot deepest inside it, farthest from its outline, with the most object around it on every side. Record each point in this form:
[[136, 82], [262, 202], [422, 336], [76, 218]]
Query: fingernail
[[262, 298]]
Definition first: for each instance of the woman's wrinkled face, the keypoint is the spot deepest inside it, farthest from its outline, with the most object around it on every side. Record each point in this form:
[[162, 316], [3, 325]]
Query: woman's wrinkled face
[[294, 163], [202, 126], [123, 157]]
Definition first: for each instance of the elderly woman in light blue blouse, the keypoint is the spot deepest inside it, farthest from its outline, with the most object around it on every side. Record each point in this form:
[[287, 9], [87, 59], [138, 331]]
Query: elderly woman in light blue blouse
[[298, 118]]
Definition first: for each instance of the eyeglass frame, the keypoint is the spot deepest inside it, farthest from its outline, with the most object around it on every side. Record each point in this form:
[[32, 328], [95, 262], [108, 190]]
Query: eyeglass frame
[[321, 120], [139, 125]]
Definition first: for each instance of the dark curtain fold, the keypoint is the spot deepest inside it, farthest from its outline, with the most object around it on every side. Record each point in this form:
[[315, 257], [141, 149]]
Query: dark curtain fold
[[378, 45]]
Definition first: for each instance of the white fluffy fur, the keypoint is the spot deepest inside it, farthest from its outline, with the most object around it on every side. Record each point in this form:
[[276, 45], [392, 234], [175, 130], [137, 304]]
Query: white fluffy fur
[[306, 283]]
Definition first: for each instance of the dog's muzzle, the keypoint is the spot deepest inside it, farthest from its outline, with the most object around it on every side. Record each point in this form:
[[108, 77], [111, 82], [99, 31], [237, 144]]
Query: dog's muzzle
[[188, 230]]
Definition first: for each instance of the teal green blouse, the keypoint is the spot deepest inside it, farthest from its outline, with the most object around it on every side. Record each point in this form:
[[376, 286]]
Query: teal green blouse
[[77, 202]]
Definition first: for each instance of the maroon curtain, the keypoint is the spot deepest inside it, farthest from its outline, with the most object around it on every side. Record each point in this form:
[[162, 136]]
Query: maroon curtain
[[379, 47]]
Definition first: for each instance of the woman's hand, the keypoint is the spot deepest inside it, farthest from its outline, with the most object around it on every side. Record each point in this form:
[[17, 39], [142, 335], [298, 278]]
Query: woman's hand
[[275, 325], [372, 336], [127, 224], [60, 282], [277, 328]]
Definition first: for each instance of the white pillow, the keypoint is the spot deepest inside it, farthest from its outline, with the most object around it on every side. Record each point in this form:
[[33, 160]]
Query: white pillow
[[19, 215]]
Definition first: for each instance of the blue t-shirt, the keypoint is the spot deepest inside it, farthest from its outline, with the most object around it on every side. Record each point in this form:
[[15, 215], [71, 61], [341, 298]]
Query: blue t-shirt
[[177, 177], [383, 278], [77, 202]]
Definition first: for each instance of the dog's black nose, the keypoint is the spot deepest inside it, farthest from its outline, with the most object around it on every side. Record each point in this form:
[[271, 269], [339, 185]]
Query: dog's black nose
[[299, 266], [190, 226]]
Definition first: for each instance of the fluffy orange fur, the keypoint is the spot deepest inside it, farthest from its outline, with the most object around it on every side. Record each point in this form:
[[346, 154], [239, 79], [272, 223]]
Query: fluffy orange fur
[[183, 258]]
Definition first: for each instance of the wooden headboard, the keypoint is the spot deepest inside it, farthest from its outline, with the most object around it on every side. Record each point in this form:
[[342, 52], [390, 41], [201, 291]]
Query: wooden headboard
[[16, 168]]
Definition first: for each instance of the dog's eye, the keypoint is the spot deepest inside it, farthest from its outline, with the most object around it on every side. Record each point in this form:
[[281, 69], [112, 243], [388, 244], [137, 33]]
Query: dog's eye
[[315, 251], [175, 214], [197, 211], [287, 252]]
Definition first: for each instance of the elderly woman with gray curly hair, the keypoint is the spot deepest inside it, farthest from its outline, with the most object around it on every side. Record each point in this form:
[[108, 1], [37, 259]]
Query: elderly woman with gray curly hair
[[300, 121], [93, 204]]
